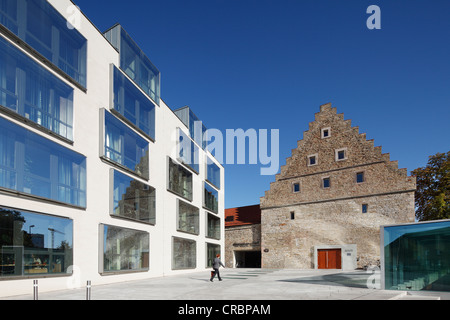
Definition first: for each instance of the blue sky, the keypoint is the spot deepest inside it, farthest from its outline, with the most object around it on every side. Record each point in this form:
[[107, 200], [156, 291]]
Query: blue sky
[[268, 64]]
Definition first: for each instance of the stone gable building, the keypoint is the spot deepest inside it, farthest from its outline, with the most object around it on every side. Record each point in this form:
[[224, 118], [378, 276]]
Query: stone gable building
[[327, 204]]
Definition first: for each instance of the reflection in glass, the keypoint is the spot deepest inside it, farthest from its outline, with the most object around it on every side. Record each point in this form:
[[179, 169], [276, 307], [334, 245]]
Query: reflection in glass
[[188, 152], [34, 93], [212, 173], [43, 28], [125, 147], [213, 226], [34, 244], [416, 256], [211, 251], [132, 104], [211, 198], [125, 249], [133, 199], [135, 63], [180, 180], [34, 165], [184, 253], [188, 218]]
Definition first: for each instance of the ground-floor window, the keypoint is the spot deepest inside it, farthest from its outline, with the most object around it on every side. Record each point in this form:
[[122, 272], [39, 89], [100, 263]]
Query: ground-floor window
[[184, 253], [34, 244]]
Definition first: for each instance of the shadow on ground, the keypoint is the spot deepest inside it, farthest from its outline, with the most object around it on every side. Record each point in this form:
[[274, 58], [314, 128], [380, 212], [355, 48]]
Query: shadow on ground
[[354, 280]]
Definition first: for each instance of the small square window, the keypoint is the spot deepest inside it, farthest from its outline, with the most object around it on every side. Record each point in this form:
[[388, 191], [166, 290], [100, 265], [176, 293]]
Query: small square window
[[341, 154], [296, 187], [364, 208], [312, 159], [326, 182], [360, 177], [325, 133]]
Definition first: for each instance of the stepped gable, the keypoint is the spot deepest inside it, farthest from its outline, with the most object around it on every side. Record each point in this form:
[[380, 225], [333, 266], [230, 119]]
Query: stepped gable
[[382, 174]]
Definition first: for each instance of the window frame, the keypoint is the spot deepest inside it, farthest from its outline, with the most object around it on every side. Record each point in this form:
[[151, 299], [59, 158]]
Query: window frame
[[316, 159], [336, 154], [323, 183], [322, 133]]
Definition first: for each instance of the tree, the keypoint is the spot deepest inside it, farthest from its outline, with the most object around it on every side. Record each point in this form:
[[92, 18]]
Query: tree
[[433, 188]]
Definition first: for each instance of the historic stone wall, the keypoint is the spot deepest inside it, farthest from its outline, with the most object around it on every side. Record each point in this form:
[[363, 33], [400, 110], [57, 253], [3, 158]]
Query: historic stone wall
[[241, 238]]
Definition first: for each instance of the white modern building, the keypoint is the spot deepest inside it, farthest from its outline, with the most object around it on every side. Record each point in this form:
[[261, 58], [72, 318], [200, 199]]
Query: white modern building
[[99, 179]]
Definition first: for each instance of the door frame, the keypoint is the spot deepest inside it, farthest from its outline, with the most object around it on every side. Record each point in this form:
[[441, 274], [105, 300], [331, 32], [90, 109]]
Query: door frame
[[348, 256]]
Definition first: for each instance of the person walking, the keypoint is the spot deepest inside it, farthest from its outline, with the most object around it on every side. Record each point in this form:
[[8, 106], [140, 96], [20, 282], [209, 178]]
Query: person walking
[[216, 265]]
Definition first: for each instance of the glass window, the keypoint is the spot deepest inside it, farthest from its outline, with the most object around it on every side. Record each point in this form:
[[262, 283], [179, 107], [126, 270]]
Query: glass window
[[43, 28], [416, 256], [188, 218], [364, 208], [197, 131], [188, 152], [135, 63], [124, 249], [212, 173], [312, 160], [213, 226], [184, 253], [211, 198], [34, 244], [34, 165], [296, 187], [212, 250], [326, 182], [133, 199], [180, 180], [33, 92], [131, 104], [360, 177], [125, 147]]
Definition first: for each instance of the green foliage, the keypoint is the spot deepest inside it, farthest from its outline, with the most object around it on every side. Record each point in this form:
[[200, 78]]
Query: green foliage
[[433, 188]]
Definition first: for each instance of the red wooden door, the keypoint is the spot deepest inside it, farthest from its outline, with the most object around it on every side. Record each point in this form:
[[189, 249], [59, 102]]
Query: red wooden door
[[329, 258]]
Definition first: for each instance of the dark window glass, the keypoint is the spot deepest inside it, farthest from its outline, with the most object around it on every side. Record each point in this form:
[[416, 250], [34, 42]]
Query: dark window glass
[[365, 207], [312, 160], [211, 198], [341, 154], [213, 226], [133, 199], [212, 250], [43, 28], [34, 244], [212, 173], [188, 152], [33, 92], [326, 182], [125, 249], [296, 187], [188, 218], [180, 180], [125, 147], [184, 253], [132, 104], [360, 177], [34, 165]]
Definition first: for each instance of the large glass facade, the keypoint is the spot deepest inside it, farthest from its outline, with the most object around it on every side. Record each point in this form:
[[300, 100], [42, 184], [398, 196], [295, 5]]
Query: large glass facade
[[197, 131], [212, 250], [211, 198], [180, 180], [125, 147], [212, 226], [188, 152], [133, 199], [124, 249], [135, 63], [184, 253], [131, 104], [43, 28], [34, 244], [34, 165], [212, 173], [187, 218], [34, 93], [417, 256]]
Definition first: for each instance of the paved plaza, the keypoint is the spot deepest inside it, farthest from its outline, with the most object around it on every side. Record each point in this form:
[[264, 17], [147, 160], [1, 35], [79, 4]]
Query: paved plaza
[[245, 284]]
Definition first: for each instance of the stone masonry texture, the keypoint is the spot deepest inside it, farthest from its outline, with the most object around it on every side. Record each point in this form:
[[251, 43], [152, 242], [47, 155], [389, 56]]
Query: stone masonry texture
[[292, 222]]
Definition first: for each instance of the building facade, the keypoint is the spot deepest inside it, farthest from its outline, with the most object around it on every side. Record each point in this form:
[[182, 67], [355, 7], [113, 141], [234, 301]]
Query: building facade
[[326, 206], [243, 237], [100, 180]]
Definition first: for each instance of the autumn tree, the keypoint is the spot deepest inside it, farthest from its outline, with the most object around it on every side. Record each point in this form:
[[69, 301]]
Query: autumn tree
[[432, 196]]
